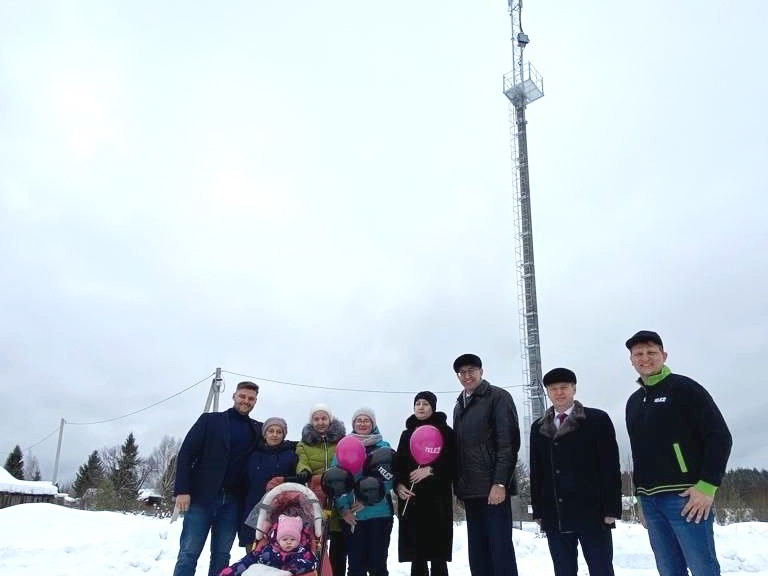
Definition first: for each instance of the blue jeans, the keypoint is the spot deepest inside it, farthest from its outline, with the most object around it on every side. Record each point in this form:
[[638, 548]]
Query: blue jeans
[[676, 543], [489, 538], [221, 517]]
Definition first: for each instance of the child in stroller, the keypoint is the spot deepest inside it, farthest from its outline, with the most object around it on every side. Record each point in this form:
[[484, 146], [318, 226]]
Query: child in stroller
[[288, 528], [284, 550]]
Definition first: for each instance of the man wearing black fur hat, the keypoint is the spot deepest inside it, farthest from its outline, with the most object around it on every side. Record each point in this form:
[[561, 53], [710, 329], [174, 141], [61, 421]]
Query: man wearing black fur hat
[[487, 441], [680, 447], [575, 478]]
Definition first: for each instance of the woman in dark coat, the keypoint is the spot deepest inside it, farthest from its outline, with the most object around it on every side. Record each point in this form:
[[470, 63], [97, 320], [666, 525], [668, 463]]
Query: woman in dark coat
[[426, 527], [271, 463]]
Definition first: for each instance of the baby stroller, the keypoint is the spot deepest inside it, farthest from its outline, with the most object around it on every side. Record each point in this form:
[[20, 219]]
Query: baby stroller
[[293, 500]]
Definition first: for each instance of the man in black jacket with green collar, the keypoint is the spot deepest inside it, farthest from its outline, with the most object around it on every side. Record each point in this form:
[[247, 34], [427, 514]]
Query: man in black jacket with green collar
[[487, 441], [680, 447], [575, 478]]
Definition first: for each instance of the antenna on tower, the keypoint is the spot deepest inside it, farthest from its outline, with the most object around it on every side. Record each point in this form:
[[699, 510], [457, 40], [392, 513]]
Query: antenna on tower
[[522, 86]]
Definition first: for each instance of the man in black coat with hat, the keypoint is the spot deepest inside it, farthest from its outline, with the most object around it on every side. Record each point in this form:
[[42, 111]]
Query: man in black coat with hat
[[575, 478], [487, 441]]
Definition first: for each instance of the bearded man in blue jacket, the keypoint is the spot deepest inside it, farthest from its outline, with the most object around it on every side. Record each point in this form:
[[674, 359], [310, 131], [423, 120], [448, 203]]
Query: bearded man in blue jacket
[[680, 447], [210, 480]]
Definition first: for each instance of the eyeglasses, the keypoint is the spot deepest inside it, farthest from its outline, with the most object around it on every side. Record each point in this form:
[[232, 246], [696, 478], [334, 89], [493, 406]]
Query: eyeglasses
[[467, 371]]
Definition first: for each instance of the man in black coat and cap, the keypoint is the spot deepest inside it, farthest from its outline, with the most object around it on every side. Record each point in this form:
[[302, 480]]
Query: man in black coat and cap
[[487, 441], [575, 478]]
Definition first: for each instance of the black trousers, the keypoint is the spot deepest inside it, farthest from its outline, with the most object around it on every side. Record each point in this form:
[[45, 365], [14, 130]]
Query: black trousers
[[420, 568], [489, 538], [597, 546], [337, 553], [369, 546]]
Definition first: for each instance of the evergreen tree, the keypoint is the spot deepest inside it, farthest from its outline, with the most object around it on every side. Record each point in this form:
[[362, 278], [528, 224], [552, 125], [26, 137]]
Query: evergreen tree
[[743, 496], [89, 475], [104, 497], [126, 475], [15, 463]]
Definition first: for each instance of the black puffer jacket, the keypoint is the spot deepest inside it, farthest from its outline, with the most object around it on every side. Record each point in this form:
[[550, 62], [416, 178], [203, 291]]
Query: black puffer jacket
[[487, 441]]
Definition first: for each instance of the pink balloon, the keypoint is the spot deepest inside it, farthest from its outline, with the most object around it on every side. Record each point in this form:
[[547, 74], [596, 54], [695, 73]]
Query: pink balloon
[[426, 444], [350, 454]]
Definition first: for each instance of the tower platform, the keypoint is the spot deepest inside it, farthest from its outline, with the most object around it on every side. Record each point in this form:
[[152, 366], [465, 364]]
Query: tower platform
[[525, 89]]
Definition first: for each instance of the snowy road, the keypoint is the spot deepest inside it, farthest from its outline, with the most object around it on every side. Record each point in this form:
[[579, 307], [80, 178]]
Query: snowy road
[[48, 540]]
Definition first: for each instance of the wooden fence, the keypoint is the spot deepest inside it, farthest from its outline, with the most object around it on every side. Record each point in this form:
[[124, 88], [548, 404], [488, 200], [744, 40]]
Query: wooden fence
[[13, 498]]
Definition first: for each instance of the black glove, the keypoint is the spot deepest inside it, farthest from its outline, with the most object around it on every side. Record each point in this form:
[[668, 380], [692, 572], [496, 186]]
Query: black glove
[[303, 476]]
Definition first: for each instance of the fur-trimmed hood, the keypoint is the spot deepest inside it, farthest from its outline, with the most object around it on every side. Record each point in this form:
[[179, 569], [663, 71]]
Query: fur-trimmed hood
[[335, 432]]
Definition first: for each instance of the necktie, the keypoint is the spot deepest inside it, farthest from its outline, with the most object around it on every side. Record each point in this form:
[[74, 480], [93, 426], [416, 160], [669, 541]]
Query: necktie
[[561, 417]]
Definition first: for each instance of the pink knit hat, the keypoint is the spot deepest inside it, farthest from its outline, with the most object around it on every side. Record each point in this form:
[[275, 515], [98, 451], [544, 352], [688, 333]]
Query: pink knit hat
[[289, 526]]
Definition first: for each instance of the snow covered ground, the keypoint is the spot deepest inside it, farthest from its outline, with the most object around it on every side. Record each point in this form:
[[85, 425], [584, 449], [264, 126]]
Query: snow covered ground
[[49, 540]]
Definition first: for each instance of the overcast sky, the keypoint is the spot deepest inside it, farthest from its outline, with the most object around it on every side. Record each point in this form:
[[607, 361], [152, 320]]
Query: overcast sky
[[321, 193]]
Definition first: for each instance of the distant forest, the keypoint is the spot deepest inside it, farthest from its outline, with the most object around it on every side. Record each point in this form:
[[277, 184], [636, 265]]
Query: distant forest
[[742, 496]]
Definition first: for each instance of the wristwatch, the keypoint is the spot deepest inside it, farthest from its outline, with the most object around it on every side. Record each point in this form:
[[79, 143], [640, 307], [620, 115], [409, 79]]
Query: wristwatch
[[501, 485]]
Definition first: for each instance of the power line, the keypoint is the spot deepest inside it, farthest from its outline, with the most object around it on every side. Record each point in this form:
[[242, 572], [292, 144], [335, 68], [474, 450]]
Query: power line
[[260, 379], [51, 433], [339, 389], [142, 409]]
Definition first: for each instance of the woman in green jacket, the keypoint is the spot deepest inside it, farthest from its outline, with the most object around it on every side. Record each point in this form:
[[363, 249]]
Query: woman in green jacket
[[316, 451]]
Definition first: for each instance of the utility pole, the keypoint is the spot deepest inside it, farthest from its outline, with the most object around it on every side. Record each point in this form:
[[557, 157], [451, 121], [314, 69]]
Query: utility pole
[[217, 387], [58, 452]]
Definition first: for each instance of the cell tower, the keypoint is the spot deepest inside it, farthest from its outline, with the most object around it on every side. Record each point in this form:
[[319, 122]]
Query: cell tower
[[522, 86]]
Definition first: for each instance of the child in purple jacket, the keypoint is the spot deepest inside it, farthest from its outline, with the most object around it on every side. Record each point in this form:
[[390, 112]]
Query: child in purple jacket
[[284, 550]]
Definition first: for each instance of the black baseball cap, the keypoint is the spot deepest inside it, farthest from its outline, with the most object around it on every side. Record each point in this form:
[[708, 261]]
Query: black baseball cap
[[644, 336]]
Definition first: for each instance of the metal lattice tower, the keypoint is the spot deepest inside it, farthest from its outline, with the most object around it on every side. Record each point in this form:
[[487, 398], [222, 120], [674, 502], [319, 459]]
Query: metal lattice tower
[[522, 86]]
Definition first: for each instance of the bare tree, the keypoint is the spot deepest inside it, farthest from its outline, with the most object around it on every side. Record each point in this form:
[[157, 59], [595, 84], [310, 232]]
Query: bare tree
[[146, 472], [66, 488], [523, 483], [108, 456], [31, 467], [163, 461], [631, 510]]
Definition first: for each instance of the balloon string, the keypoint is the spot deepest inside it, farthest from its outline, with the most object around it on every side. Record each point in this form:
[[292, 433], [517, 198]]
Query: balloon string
[[409, 498]]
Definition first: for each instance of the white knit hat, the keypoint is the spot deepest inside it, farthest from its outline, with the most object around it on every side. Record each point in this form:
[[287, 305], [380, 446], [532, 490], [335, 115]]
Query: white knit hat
[[320, 408], [364, 412]]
